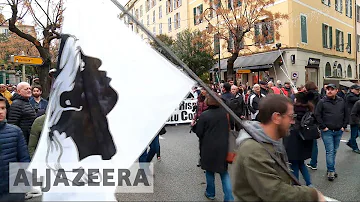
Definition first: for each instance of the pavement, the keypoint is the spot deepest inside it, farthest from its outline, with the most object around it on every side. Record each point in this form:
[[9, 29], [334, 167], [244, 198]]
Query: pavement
[[177, 178]]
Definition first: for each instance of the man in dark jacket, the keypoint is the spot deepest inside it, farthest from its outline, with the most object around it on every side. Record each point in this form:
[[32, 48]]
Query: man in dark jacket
[[213, 132], [354, 123], [38, 102], [263, 88], [332, 115], [21, 113], [226, 92], [351, 98], [12, 149]]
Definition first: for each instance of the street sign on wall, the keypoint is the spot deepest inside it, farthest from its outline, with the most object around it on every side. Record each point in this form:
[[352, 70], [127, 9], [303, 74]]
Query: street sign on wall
[[27, 60]]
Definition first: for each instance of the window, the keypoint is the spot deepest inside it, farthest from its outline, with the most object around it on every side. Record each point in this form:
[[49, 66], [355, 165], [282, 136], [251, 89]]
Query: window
[[327, 36], [169, 24], [137, 13], [349, 71], [264, 32], [160, 28], [303, 29], [141, 11], [326, 2], [231, 3], [339, 40], [160, 12], [153, 16], [349, 43], [169, 7], [177, 3], [339, 5], [142, 22], [177, 20], [6, 32], [358, 43], [348, 8], [197, 14], [148, 20], [147, 5], [357, 13], [154, 30], [328, 70], [153, 3], [338, 71]]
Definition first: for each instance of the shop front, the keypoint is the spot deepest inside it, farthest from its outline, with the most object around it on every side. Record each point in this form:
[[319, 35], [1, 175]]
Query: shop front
[[312, 70]]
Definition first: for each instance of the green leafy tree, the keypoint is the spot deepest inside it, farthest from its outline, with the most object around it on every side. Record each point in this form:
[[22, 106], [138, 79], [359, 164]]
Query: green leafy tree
[[194, 49]]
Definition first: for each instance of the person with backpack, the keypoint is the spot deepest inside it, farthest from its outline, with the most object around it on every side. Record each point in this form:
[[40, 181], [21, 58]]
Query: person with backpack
[[299, 143]]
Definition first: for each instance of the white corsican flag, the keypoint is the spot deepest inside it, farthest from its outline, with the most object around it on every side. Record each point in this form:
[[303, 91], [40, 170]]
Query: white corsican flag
[[112, 95]]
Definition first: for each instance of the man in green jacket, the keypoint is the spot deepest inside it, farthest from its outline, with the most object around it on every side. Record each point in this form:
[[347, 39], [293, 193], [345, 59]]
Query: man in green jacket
[[35, 133], [257, 176]]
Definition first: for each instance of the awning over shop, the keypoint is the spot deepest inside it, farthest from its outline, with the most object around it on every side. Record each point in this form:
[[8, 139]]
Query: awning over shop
[[346, 83], [253, 62], [257, 61]]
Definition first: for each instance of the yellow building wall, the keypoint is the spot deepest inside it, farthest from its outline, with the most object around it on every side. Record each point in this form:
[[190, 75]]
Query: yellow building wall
[[318, 13]]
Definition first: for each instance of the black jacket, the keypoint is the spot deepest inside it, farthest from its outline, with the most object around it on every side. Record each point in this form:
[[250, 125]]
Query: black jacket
[[213, 132], [313, 96], [227, 96], [355, 114], [21, 114], [254, 100], [332, 113], [298, 149], [264, 91], [351, 98]]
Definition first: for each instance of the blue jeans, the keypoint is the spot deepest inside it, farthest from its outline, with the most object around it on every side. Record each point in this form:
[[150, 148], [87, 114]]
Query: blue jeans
[[226, 184], [331, 141], [300, 165], [314, 154], [154, 149], [354, 135]]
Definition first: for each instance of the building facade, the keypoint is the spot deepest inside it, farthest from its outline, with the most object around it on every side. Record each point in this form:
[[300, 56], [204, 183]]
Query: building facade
[[167, 17], [318, 41]]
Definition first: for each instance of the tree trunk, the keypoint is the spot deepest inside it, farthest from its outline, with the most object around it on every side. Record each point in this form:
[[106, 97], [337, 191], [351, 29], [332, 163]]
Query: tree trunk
[[44, 79], [230, 65]]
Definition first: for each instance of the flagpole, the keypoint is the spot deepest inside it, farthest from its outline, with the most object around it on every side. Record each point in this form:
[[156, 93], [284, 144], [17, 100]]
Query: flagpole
[[209, 91]]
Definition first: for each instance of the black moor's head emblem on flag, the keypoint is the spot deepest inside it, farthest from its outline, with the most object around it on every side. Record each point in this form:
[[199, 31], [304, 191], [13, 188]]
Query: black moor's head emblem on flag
[[80, 100]]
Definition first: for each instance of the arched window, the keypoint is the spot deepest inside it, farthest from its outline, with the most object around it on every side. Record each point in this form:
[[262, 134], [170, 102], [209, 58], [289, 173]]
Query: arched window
[[349, 71], [339, 71], [328, 70]]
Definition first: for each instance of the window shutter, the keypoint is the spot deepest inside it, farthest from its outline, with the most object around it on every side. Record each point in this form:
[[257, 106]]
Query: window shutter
[[329, 2], [346, 7], [349, 42], [357, 43], [337, 40], [303, 29], [230, 41], [195, 16], [271, 35], [342, 41], [324, 35], [341, 5], [330, 37], [323, 1], [257, 32], [351, 9], [201, 11], [216, 44]]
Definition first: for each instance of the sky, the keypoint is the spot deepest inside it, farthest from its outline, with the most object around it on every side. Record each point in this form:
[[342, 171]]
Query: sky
[[28, 19]]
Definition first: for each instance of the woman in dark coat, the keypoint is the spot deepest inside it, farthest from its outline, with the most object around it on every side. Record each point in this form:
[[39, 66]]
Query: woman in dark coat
[[213, 132], [297, 149]]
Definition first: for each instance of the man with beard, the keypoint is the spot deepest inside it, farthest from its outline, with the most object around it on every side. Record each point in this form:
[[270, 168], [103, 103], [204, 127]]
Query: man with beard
[[257, 176], [37, 102], [21, 113], [332, 115]]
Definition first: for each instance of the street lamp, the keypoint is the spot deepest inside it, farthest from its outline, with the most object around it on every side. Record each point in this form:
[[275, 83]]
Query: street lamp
[[209, 28]]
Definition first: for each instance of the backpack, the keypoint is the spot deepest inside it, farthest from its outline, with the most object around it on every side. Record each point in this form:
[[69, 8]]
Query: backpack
[[308, 128], [235, 105]]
